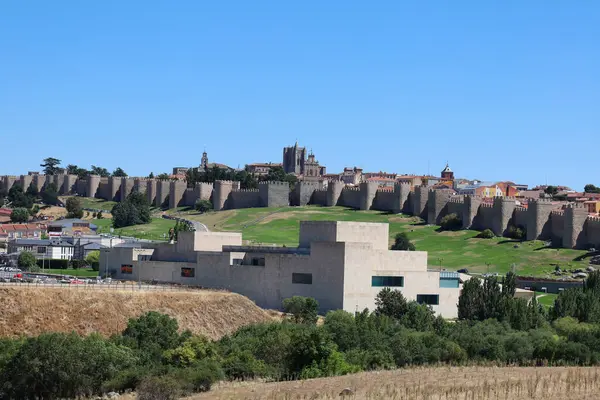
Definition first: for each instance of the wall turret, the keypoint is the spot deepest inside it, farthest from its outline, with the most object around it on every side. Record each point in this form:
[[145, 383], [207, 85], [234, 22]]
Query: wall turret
[[222, 190], [114, 185], [401, 193], [503, 212], [176, 193], [39, 180], [437, 201], [420, 197], [151, 188], [127, 185], [162, 191], [334, 190], [93, 182], [470, 209], [574, 220], [368, 190], [25, 181], [538, 219]]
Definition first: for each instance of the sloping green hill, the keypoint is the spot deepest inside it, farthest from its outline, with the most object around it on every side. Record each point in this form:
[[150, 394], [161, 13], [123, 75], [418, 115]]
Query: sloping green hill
[[452, 250]]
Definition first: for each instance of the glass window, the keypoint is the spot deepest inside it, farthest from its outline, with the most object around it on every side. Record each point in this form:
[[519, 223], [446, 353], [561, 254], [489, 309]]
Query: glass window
[[126, 269], [41, 250], [188, 272], [305, 279], [449, 283], [387, 281], [430, 299]]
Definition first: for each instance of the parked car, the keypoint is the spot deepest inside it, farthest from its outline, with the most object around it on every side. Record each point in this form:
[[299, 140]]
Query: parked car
[[76, 282], [463, 271]]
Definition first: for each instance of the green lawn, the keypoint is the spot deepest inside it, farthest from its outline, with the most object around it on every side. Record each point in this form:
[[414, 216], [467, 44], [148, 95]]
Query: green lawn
[[152, 231], [547, 300], [451, 250], [98, 204], [75, 272]]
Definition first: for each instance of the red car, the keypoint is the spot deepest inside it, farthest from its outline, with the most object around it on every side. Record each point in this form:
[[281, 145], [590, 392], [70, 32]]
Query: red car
[[76, 282]]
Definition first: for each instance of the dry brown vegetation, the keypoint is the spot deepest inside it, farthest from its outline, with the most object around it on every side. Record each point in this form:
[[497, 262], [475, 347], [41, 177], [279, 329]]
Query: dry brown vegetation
[[442, 383], [31, 311]]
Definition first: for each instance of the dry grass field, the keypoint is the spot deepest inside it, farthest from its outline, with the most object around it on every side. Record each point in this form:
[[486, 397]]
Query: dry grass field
[[31, 311], [441, 383]]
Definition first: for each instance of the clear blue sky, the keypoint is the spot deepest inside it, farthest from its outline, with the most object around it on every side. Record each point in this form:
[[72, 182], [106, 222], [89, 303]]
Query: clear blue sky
[[500, 89]]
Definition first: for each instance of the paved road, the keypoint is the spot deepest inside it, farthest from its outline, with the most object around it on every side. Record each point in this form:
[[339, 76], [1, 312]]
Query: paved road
[[199, 226]]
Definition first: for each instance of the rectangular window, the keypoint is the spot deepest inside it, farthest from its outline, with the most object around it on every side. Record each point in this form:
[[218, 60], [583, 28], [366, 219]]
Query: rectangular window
[[305, 279], [430, 299], [451, 283], [387, 281], [188, 272], [260, 261], [126, 269], [41, 250]]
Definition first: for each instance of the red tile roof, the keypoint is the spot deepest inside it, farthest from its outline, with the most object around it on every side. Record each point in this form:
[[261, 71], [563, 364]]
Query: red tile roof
[[5, 211]]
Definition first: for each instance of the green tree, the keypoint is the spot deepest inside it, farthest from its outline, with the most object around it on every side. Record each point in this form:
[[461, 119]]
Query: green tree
[[589, 188], [26, 260], [509, 284], [74, 207], [470, 301], [50, 194], [152, 333], [59, 365], [103, 172], [402, 242], [390, 303], [32, 192], [151, 176], [19, 215], [551, 190], [51, 166], [119, 172], [18, 198], [203, 206], [451, 222], [134, 210], [163, 176], [93, 260], [304, 310], [76, 264], [419, 317]]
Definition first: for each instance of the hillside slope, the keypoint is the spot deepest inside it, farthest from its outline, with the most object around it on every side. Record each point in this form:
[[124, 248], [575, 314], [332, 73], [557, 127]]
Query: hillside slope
[[31, 311]]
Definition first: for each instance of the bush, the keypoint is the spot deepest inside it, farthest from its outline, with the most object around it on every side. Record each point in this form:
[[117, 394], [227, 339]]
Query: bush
[[516, 232], [401, 242], [99, 215], [451, 222], [74, 207], [391, 303], [19, 215], [243, 365], [128, 379], [76, 264], [152, 334], [200, 377], [134, 210], [59, 365], [203, 206], [486, 234], [53, 264], [159, 388], [93, 260], [304, 310], [26, 260]]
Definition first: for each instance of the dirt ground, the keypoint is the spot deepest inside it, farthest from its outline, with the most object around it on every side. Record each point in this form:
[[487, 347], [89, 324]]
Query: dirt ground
[[441, 383], [31, 311]]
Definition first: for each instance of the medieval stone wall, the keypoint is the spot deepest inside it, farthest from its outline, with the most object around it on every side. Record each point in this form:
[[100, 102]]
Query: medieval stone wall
[[592, 229], [244, 198], [557, 222], [386, 200], [350, 197], [274, 194]]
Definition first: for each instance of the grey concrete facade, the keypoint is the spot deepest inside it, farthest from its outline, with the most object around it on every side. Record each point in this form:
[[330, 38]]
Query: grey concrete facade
[[343, 265]]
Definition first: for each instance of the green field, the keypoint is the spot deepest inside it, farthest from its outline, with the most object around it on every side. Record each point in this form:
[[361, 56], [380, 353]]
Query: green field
[[98, 204], [152, 231], [547, 300], [451, 250], [85, 272]]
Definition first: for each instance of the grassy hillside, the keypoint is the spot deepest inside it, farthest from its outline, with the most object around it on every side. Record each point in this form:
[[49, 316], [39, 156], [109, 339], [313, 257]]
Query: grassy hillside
[[442, 383], [452, 250], [153, 231], [25, 311], [97, 204]]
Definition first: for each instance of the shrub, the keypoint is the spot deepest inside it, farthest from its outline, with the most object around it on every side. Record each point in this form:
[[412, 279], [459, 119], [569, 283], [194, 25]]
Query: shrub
[[391, 303], [401, 242], [76, 264], [304, 310], [159, 388], [93, 260], [200, 377], [26, 260], [74, 207], [486, 234], [243, 365], [128, 379], [516, 232], [203, 206], [19, 215], [152, 333], [53, 264], [193, 350], [451, 222]]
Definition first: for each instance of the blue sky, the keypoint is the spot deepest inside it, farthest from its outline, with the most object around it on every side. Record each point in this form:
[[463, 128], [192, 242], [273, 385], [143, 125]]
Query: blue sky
[[500, 89]]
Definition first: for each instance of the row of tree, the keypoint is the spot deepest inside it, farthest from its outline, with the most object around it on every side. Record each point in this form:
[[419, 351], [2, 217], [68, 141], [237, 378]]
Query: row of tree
[[152, 357], [51, 166]]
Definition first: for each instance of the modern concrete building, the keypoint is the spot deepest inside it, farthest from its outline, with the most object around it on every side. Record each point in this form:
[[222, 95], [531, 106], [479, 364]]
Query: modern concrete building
[[343, 265]]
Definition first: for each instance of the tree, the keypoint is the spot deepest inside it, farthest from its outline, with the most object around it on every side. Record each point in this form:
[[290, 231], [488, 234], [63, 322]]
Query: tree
[[26, 260], [32, 192], [134, 210], [589, 188], [304, 310], [390, 303], [163, 176], [60, 365], [99, 215], [551, 190], [50, 194], [76, 263], [51, 166], [119, 172], [509, 285], [203, 206], [451, 222], [470, 301], [152, 333], [103, 172], [19, 215], [93, 260], [402, 242], [74, 207], [18, 198], [151, 176]]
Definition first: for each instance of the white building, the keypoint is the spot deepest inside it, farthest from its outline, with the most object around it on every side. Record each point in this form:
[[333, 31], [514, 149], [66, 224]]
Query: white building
[[343, 265]]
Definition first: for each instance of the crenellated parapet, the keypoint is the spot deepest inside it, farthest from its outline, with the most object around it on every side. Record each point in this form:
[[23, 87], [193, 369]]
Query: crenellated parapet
[[274, 194]]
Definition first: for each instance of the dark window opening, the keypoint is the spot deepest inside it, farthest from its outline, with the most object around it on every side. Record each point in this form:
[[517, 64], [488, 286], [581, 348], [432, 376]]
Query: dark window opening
[[301, 278], [429, 299], [188, 272], [387, 281]]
